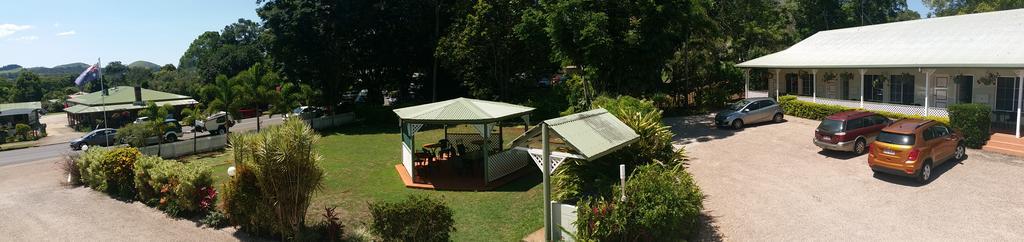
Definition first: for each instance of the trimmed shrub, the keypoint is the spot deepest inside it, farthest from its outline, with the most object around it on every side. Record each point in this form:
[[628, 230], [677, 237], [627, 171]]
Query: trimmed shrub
[[662, 203], [973, 121], [817, 111], [417, 218], [277, 171], [174, 187], [110, 170]]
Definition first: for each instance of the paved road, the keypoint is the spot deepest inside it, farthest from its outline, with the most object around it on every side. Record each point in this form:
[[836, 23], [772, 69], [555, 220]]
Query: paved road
[[56, 150], [770, 183]]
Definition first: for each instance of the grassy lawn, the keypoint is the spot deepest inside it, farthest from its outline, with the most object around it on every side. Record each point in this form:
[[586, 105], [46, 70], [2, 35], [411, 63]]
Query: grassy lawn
[[360, 161]]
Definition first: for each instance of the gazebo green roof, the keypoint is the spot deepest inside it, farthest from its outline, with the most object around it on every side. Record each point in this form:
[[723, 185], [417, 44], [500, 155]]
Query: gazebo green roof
[[592, 134], [461, 111], [125, 95]]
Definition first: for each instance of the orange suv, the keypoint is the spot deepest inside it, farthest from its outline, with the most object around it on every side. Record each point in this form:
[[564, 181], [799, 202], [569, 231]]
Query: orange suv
[[913, 147]]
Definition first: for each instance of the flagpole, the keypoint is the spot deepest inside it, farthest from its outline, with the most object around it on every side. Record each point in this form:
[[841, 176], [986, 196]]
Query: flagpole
[[103, 91]]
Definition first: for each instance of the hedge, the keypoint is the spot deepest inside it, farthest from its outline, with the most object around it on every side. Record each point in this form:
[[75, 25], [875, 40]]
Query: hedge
[[973, 121], [817, 111], [174, 187]]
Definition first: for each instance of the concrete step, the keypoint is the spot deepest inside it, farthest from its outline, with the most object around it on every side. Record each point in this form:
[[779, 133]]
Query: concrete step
[[1005, 150], [1006, 138]]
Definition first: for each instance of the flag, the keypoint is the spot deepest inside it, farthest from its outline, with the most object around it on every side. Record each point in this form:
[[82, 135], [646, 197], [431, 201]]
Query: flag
[[91, 73]]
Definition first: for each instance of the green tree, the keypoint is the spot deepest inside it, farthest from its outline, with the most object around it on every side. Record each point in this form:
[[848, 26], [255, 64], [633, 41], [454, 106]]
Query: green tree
[[234, 49], [138, 76], [957, 7], [114, 75], [621, 45], [485, 49], [226, 95], [26, 87]]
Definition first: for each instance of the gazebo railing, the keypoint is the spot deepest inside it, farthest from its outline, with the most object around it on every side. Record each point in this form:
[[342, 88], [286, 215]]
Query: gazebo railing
[[507, 162]]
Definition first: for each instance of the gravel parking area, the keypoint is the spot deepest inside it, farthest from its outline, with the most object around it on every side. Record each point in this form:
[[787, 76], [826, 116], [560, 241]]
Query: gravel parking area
[[35, 207], [770, 182]]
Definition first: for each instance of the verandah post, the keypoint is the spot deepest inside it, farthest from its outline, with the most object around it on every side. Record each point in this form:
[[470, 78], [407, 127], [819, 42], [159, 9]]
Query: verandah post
[[777, 85], [1020, 98], [746, 83], [927, 92], [862, 72], [814, 85]]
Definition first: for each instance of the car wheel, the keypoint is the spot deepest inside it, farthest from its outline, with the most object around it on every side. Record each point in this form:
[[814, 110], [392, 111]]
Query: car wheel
[[961, 151], [222, 130], [925, 173], [737, 124], [171, 138], [777, 118], [860, 147]]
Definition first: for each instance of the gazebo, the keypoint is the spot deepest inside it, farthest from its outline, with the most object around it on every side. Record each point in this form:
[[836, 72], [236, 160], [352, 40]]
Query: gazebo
[[430, 168]]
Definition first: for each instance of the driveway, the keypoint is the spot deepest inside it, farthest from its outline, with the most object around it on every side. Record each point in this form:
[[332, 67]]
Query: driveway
[[769, 182], [35, 207]]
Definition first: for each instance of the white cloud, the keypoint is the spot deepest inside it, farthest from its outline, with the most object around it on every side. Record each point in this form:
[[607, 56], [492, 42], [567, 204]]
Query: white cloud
[[68, 33], [9, 29], [27, 38]]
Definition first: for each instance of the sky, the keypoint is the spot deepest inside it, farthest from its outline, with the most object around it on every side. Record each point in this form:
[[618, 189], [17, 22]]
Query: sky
[[55, 32]]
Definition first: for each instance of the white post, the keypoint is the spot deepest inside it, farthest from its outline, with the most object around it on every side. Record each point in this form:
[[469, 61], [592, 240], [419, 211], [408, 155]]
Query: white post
[[777, 85], [927, 92], [814, 85], [622, 177], [862, 72], [1020, 98], [746, 83], [545, 146]]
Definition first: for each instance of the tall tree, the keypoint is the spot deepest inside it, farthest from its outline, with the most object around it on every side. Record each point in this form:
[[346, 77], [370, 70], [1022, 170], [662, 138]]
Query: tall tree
[[498, 49], [26, 87], [623, 43], [138, 76], [958, 7], [812, 16], [234, 49], [336, 45]]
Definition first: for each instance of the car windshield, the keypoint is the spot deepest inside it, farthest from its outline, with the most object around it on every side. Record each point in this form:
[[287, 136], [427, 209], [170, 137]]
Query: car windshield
[[297, 110], [830, 125], [896, 139], [738, 105]]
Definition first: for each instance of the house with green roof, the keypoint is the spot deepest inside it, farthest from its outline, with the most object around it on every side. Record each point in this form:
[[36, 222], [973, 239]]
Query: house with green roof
[[120, 105], [12, 114]]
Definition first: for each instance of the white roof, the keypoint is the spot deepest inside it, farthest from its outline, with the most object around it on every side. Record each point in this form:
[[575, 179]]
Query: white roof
[[992, 39]]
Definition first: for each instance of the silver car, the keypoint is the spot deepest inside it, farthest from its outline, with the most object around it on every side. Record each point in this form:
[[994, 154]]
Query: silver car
[[749, 111]]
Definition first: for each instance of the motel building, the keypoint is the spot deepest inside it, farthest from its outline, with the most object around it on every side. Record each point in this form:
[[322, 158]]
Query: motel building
[[912, 67]]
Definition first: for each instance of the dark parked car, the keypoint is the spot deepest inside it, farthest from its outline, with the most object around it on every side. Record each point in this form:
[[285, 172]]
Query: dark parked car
[[101, 137], [749, 111], [849, 131]]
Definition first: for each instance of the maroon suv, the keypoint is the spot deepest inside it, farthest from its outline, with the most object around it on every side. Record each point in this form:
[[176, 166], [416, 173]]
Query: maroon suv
[[849, 131]]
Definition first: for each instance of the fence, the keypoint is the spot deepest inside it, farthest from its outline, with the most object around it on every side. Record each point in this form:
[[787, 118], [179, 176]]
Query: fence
[[331, 121], [562, 217], [187, 147]]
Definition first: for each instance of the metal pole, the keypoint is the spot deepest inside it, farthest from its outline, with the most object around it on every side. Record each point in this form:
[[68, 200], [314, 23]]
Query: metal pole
[[103, 91], [622, 178], [547, 180]]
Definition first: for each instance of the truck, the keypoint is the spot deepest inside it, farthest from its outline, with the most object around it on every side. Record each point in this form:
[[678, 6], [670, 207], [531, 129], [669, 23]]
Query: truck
[[217, 123]]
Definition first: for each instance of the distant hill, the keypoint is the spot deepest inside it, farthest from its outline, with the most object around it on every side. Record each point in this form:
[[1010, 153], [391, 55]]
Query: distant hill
[[145, 64], [10, 67], [11, 71]]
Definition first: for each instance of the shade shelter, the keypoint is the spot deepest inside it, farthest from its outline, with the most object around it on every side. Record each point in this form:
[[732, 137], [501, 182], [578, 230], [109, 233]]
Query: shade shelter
[[481, 115], [585, 136]]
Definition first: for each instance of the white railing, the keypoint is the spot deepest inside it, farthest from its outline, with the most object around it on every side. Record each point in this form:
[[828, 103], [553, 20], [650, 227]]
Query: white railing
[[331, 121], [506, 162], [187, 147], [751, 94], [888, 107]]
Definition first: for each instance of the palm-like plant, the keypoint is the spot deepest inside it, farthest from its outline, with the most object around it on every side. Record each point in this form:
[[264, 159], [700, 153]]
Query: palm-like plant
[[284, 166]]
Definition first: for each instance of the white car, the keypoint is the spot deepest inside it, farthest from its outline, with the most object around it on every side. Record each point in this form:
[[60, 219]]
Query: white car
[[305, 113], [217, 123]]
